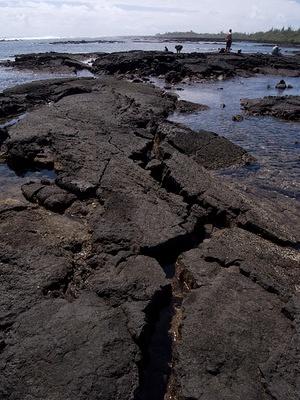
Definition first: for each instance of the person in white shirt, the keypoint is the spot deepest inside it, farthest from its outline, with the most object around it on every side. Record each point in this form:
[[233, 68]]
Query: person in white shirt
[[276, 50]]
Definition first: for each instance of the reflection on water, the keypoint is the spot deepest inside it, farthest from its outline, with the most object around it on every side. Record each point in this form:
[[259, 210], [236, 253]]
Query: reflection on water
[[273, 142], [10, 78], [10, 182]]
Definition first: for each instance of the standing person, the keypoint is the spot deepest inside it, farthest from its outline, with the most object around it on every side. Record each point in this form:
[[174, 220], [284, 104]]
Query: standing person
[[229, 40]]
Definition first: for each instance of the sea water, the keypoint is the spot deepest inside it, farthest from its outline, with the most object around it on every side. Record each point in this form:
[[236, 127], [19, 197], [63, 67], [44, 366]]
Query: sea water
[[273, 142]]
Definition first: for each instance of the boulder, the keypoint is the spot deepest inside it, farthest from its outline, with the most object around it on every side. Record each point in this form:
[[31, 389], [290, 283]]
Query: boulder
[[281, 85]]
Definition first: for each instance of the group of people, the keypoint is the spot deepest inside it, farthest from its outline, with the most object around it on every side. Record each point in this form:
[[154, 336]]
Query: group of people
[[276, 51]]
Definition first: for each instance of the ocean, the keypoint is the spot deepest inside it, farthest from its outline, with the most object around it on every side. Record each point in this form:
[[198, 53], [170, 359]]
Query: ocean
[[10, 48]]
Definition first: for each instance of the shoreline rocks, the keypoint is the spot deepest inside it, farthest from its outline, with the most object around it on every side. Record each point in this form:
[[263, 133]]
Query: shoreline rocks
[[52, 62], [175, 68], [284, 107], [139, 273], [87, 41], [195, 65]]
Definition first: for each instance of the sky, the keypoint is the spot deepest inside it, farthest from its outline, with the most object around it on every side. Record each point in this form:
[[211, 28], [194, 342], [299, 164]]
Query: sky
[[95, 18]]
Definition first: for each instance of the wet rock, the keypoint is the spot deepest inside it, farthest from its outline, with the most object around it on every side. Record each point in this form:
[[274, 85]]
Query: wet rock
[[281, 85], [137, 80], [237, 118], [284, 107], [173, 77], [257, 215], [52, 62], [184, 106], [206, 148], [196, 65]]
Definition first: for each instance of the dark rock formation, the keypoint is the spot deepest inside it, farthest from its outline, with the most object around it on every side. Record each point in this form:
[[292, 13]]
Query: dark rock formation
[[19, 99], [52, 62], [240, 299], [139, 274], [195, 65], [285, 107], [281, 85], [207, 148], [87, 41], [3, 135], [173, 77], [237, 118], [185, 107], [174, 67], [50, 196]]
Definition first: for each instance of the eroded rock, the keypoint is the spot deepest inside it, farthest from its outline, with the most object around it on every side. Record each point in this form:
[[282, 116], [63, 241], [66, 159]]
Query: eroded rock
[[285, 107], [195, 65], [90, 289]]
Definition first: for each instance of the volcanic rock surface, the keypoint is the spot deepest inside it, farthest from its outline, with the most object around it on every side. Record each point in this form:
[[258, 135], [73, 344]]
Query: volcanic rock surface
[[156, 63], [284, 107], [139, 274], [63, 63], [195, 65], [18, 100]]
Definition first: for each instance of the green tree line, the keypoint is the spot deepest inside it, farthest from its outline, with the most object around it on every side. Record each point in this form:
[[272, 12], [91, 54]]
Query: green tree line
[[284, 35]]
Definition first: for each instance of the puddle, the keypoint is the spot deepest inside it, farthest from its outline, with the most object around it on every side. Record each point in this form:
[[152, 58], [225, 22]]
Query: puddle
[[11, 182], [274, 143], [10, 77], [12, 121], [84, 73]]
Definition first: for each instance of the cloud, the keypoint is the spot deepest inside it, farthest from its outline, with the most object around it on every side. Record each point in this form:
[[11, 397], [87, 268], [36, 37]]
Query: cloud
[[139, 8], [65, 18]]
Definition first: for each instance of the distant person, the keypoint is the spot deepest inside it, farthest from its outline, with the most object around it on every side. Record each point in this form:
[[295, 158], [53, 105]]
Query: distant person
[[178, 48], [276, 51], [229, 41], [166, 49]]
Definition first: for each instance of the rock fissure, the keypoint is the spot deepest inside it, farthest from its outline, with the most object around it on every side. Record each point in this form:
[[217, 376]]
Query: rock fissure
[[149, 280]]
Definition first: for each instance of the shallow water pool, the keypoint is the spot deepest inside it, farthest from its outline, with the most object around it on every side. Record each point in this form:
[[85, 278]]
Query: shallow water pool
[[274, 143], [11, 182]]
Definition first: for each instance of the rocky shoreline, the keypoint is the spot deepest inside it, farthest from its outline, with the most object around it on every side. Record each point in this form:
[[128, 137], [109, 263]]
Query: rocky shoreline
[[138, 273], [284, 107], [179, 67]]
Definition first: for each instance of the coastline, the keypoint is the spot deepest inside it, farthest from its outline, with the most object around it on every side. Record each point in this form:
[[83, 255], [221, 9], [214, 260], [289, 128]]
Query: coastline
[[135, 269], [219, 40]]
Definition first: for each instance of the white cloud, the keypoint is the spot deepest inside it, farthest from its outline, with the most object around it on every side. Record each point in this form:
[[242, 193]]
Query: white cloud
[[132, 17]]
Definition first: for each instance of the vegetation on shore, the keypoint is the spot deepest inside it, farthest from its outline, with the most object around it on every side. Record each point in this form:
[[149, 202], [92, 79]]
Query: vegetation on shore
[[284, 35]]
